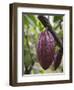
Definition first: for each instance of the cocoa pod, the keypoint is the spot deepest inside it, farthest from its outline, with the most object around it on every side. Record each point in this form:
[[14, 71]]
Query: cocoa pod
[[58, 58], [46, 49]]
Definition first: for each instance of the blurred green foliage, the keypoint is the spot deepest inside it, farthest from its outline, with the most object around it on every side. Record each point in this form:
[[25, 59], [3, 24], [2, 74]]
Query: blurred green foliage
[[32, 28]]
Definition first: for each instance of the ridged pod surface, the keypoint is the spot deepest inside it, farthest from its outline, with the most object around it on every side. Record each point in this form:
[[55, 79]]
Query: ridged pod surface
[[58, 58], [46, 49]]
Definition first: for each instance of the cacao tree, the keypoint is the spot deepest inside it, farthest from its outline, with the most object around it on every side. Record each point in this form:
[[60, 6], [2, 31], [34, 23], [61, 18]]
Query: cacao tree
[[40, 36]]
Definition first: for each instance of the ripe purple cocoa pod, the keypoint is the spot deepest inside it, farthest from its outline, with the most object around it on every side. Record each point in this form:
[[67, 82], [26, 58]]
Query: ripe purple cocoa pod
[[58, 58], [46, 49]]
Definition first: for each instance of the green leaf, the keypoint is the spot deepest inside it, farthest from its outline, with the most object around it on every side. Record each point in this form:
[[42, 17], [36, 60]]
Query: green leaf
[[33, 18], [26, 22], [57, 18], [60, 34], [42, 71], [27, 59]]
